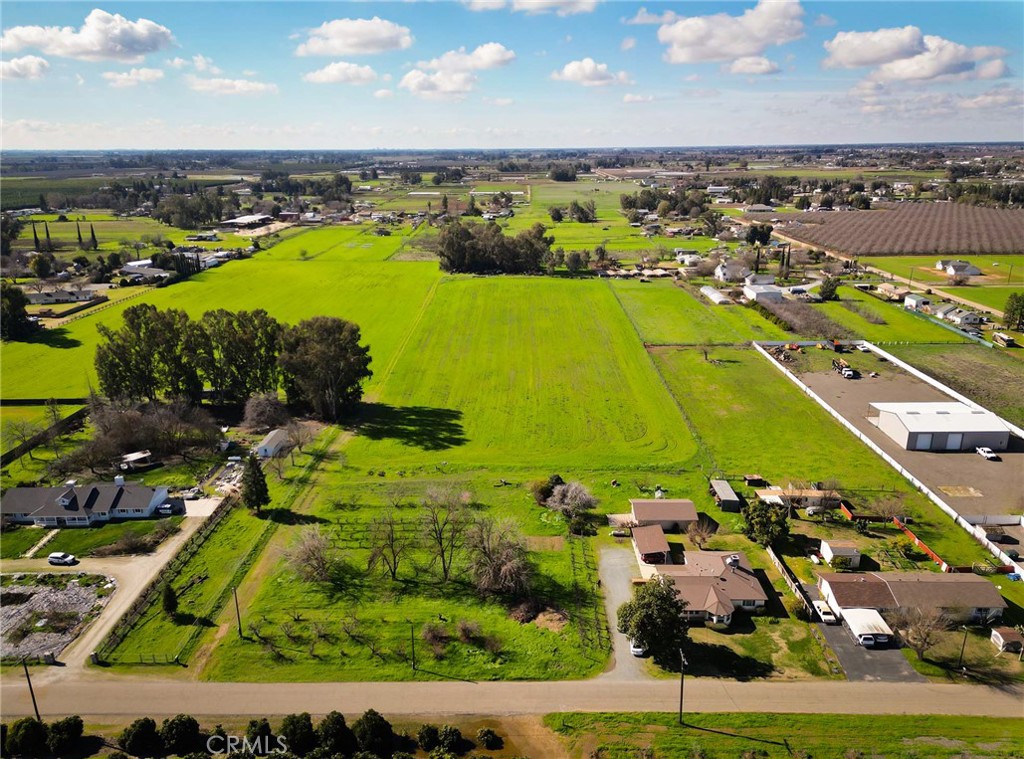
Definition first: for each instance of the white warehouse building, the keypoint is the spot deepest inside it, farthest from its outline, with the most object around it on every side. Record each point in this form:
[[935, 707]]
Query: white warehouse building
[[942, 426]]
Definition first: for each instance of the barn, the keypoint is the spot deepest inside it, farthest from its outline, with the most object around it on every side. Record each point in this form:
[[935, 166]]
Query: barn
[[941, 426]]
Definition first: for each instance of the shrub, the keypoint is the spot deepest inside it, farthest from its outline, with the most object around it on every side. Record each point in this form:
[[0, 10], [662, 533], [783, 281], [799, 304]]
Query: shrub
[[259, 733], [335, 736], [26, 737], [141, 739], [374, 733], [489, 739], [468, 631], [449, 738], [542, 489], [428, 737], [796, 608], [180, 734], [64, 735], [297, 731]]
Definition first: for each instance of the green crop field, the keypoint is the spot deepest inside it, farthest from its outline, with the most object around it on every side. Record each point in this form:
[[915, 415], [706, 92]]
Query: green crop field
[[665, 314], [522, 371], [773, 736], [859, 313]]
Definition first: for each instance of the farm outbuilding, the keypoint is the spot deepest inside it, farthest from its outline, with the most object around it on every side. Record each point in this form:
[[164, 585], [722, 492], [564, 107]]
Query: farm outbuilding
[[651, 546], [830, 549], [951, 426], [1007, 639], [763, 293], [916, 301], [668, 513], [715, 296], [272, 444], [724, 495]]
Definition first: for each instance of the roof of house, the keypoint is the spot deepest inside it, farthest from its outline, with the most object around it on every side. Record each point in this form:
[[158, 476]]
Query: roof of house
[[84, 500], [845, 547], [274, 439], [663, 509], [650, 539], [929, 590], [702, 571], [951, 416], [1008, 634]]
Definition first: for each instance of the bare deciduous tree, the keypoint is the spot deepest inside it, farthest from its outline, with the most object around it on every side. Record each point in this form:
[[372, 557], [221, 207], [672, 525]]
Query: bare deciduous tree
[[921, 629], [890, 506], [444, 527], [313, 557], [571, 499], [299, 435], [498, 559], [19, 432], [700, 532], [389, 542], [264, 411]]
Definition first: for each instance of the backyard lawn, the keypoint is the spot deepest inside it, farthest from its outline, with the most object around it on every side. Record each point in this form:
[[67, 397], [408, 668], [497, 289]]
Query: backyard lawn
[[84, 541]]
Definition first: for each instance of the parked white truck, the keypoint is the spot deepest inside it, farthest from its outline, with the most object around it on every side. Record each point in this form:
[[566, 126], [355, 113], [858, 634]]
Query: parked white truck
[[867, 627]]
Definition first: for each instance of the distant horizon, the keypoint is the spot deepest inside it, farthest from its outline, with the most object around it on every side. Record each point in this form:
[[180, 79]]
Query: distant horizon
[[508, 74]]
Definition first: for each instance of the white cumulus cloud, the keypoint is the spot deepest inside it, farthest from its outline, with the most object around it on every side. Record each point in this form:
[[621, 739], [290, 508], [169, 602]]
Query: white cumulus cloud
[[131, 78], [341, 72], [102, 37], [721, 37], [561, 7], [644, 16], [753, 64], [204, 64], [356, 36], [439, 85], [384, 93], [629, 97], [628, 44], [589, 73], [487, 56], [851, 50], [177, 63], [450, 76], [230, 86], [26, 67]]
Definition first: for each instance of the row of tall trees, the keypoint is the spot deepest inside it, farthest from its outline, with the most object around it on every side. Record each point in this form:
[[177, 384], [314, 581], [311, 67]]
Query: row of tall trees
[[319, 361], [479, 249]]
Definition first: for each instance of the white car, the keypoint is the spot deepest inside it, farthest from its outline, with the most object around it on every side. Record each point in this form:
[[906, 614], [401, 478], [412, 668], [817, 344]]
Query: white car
[[636, 649], [987, 453], [61, 559], [825, 613]]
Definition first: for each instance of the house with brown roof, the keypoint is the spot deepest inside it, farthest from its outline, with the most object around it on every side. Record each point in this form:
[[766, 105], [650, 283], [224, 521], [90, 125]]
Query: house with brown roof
[[650, 545], [715, 584], [671, 514], [961, 596]]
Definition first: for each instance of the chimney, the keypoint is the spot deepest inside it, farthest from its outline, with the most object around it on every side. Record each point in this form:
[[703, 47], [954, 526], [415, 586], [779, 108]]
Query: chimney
[[733, 561], [119, 480]]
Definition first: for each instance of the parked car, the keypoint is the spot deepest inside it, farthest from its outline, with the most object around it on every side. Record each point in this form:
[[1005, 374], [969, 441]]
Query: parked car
[[636, 649], [825, 613], [987, 453], [59, 559], [166, 509]]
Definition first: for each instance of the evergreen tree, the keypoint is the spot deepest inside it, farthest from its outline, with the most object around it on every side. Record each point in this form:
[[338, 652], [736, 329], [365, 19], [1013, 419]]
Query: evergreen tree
[[1013, 314], [169, 600], [35, 237], [255, 494], [92, 237], [78, 228], [49, 243]]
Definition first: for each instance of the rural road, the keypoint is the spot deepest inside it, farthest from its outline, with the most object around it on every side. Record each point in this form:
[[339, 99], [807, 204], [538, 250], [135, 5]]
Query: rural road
[[99, 695]]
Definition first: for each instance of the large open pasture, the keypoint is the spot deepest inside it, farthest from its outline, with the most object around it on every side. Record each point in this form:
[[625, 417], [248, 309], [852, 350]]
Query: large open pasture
[[522, 371], [995, 269], [869, 318]]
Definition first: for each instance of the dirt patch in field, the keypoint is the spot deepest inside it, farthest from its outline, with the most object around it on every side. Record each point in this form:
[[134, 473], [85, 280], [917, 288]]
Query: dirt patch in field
[[545, 542], [549, 619], [961, 491], [935, 741]]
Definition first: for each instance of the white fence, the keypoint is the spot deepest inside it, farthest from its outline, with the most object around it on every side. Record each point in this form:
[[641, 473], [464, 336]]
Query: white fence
[[976, 532]]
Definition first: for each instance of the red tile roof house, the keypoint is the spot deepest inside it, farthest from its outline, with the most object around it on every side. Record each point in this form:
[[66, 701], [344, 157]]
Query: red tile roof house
[[671, 514]]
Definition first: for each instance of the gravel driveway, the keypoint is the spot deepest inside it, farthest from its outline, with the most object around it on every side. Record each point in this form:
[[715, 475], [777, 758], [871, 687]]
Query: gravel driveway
[[617, 567]]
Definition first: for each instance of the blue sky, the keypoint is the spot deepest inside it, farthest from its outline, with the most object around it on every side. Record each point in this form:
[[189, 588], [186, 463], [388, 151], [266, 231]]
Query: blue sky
[[508, 73]]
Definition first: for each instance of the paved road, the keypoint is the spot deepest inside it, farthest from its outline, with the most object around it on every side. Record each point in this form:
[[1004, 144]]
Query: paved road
[[125, 697], [617, 568], [132, 573]]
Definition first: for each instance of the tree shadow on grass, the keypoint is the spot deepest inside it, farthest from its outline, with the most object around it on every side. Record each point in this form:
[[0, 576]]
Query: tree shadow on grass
[[716, 660], [183, 618], [289, 517], [56, 337], [423, 427]]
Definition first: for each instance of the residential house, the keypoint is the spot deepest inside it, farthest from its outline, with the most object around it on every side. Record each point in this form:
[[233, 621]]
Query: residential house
[[940, 312], [960, 596], [671, 514], [715, 584], [963, 318], [72, 505], [730, 271], [958, 268]]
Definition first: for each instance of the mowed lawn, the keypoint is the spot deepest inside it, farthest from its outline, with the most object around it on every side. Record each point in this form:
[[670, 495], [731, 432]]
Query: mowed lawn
[[665, 314], [898, 325], [384, 299], [994, 296], [523, 371]]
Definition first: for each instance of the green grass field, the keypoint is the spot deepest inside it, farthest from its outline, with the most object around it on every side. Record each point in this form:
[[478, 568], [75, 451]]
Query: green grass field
[[993, 296], [522, 372], [773, 736], [665, 314], [15, 542], [995, 269], [85, 540], [899, 325]]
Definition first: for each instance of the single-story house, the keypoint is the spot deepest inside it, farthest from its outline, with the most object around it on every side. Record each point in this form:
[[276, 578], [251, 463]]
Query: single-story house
[[730, 271], [272, 444], [763, 293], [1007, 639], [759, 279], [916, 301], [963, 318], [962, 596], [72, 505], [724, 495], [941, 426], [942, 310], [893, 292], [846, 549], [715, 584], [668, 513], [958, 268], [60, 296], [650, 544]]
